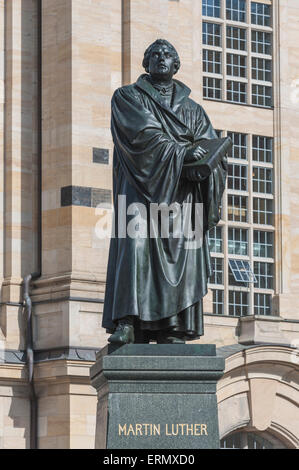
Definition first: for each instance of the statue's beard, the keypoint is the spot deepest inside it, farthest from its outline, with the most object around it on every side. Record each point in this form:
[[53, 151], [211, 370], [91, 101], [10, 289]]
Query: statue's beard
[[161, 77]]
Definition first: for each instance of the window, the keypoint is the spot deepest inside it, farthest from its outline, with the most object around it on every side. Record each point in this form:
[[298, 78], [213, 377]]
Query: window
[[237, 177], [262, 304], [236, 10], [212, 88], [262, 95], [244, 272], [211, 34], [262, 149], [239, 149], [245, 440], [237, 208], [261, 42], [211, 8], [262, 211], [250, 67], [241, 271], [262, 244], [217, 266], [260, 14], [215, 240], [262, 180], [238, 303], [236, 91], [238, 241], [261, 69], [211, 61], [264, 275], [218, 301], [236, 38], [232, 282], [236, 65]]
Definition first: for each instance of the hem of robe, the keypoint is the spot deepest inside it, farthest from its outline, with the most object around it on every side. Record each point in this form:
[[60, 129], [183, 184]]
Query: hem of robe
[[187, 323]]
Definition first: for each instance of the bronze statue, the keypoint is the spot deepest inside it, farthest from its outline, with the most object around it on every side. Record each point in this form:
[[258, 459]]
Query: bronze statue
[[154, 284]]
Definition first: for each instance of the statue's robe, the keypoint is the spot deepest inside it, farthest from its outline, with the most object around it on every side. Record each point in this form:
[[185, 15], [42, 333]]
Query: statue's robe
[[157, 280]]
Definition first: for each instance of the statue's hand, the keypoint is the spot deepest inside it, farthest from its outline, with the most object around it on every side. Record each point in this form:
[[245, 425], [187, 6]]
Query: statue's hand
[[195, 153], [200, 152]]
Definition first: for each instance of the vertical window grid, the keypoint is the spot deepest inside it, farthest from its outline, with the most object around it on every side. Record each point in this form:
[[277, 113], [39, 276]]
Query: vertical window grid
[[237, 177], [262, 244], [262, 95], [238, 241], [236, 10], [211, 8], [236, 91], [215, 240], [211, 61], [261, 42], [260, 14], [217, 267], [238, 303], [211, 34], [262, 180], [236, 38], [264, 275], [239, 149], [262, 304], [237, 208], [212, 88], [261, 69], [262, 149], [218, 301], [236, 65], [262, 211]]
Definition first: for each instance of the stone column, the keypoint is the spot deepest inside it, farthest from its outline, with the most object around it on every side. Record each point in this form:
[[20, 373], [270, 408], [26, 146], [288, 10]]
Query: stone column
[[157, 396]]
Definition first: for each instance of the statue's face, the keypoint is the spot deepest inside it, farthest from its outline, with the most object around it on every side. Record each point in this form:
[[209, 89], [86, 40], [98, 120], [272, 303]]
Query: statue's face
[[162, 63]]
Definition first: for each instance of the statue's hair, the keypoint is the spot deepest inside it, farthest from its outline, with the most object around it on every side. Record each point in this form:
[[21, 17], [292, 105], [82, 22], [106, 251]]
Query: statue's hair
[[147, 54]]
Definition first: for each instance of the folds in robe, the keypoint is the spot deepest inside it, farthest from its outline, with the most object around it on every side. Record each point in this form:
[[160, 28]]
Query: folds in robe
[[156, 279]]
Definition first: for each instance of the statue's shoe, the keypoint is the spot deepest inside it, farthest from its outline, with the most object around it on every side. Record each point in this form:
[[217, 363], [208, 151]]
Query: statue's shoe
[[174, 340], [124, 334], [164, 338]]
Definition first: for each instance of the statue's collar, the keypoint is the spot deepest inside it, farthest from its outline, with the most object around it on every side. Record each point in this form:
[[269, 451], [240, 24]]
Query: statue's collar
[[181, 91]]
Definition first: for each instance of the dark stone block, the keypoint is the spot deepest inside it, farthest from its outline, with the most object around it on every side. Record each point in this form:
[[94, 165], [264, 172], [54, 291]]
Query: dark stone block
[[66, 196], [85, 196], [75, 196], [101, 197], [100, 155]]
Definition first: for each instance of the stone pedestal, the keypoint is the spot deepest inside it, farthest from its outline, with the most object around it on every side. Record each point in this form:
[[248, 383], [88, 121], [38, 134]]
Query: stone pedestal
[[156, 396]]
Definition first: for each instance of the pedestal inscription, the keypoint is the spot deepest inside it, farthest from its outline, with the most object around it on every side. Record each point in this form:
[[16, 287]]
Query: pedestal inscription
[[157, 396]]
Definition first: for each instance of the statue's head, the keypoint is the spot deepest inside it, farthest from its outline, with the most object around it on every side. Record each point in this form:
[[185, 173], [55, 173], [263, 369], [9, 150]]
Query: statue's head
[[161, 60]]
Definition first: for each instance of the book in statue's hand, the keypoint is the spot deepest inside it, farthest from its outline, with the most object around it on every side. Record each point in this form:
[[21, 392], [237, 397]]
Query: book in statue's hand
[[202, 168]]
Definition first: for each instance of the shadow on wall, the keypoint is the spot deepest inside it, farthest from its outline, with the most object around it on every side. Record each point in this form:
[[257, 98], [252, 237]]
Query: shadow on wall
[[15, 420]]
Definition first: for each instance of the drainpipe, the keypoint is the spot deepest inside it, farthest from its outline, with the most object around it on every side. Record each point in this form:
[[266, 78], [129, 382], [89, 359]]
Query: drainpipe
[[27, 279], [30, 360]]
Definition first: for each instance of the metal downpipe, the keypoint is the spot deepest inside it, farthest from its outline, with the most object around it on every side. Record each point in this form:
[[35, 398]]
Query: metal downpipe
[[27, 279]]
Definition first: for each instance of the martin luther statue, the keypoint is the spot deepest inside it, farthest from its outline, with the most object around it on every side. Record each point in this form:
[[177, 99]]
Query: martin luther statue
[[155, 285]]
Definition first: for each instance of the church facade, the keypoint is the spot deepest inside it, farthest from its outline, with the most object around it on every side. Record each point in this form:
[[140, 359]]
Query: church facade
[[61, 61]]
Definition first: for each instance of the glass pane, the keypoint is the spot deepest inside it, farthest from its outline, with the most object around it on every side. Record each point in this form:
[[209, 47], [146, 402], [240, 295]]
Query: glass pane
[[211, 8]]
